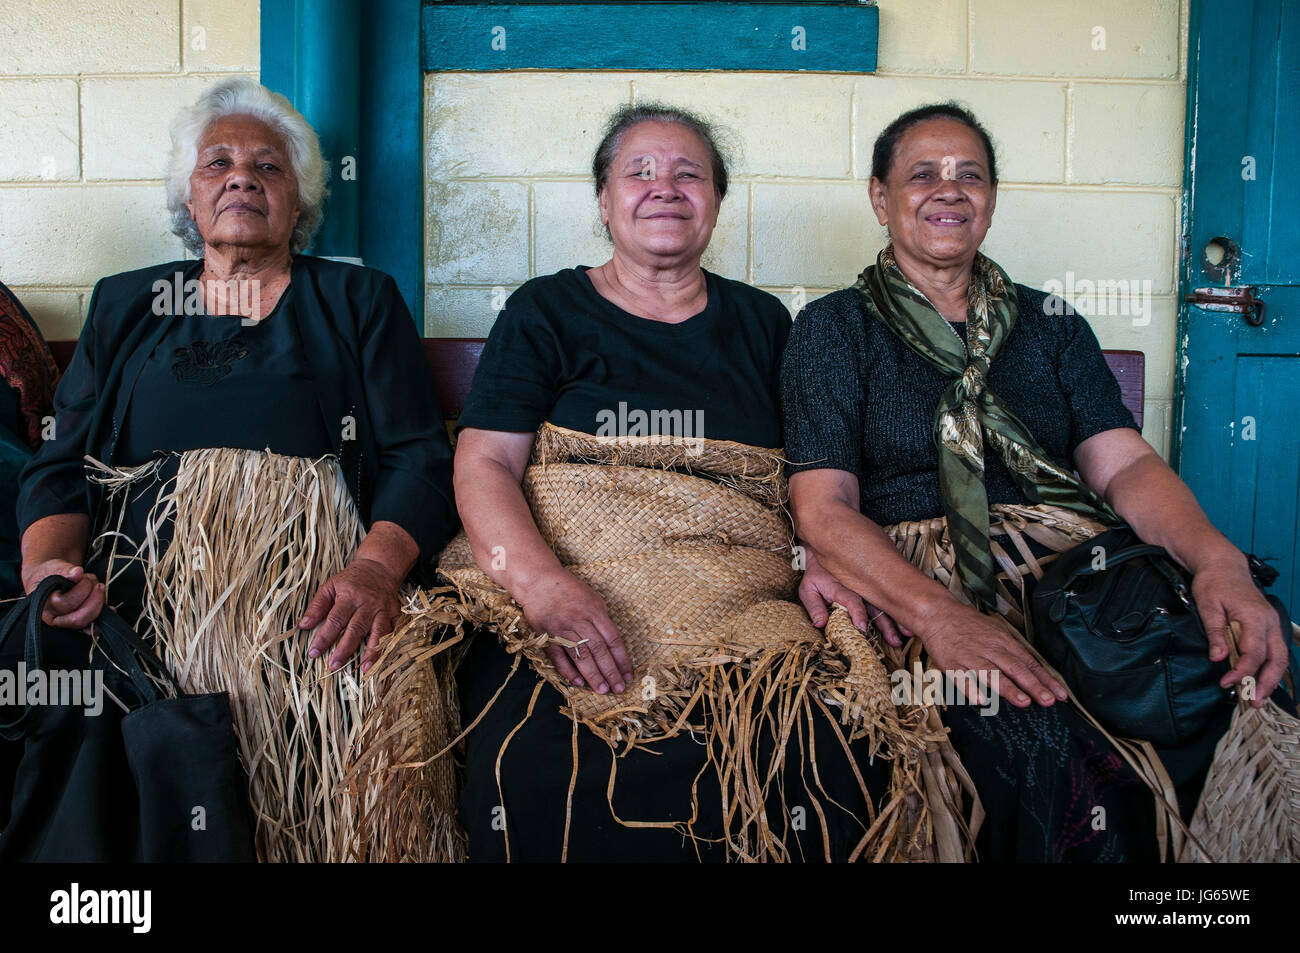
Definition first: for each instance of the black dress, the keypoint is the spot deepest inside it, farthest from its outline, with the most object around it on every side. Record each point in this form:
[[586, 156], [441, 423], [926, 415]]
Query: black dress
[[336, 368], [856, 398], [224, 383], [561, 352]]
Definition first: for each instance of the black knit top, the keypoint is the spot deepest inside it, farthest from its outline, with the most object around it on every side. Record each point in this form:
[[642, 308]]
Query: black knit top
[[856, 398]]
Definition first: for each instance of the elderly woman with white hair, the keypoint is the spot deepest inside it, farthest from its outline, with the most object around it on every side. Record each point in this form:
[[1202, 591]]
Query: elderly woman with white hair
[[266, 406], [253, 345]]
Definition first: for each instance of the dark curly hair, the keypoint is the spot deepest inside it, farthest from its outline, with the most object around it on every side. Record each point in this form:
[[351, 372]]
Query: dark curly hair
[[882, 153]]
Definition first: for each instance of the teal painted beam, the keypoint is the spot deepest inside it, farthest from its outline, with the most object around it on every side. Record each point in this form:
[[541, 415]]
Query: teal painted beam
[[328, 65], [327, 91], [824, 37], [311, 52], [277, 46], [1185, 265], [391, 173]]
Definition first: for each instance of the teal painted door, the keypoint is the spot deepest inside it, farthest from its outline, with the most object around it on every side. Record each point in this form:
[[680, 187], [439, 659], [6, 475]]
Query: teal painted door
[[1239, 446]]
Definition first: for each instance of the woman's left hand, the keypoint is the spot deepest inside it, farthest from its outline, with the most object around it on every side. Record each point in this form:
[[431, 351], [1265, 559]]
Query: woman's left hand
[[1225, 591], [819, 589], [359, 603]]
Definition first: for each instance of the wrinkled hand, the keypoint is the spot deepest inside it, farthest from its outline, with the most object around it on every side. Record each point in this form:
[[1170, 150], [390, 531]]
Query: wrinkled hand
[[74, 609], [360, 601], [819, 589], [1225, 592], [564, 607], [963, 639]]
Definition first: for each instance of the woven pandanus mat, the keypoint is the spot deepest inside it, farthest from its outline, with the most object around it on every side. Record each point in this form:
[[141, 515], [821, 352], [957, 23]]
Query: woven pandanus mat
[[675, 555], [338, 764], [690, 548], [1249, 810], [682, 558], [754, 472]]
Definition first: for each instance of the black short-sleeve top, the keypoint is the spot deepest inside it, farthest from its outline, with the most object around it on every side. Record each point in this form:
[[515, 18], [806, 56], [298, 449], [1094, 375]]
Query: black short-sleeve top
[[560, 352], [856, 398]]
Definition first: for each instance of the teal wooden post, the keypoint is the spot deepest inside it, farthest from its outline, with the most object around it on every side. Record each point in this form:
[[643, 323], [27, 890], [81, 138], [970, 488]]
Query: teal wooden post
[[325, 57], [311, 53], [327, 91], [330, 61]]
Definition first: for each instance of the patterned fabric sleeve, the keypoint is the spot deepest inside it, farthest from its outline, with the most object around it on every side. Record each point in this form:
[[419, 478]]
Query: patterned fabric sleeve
[[26, 365]]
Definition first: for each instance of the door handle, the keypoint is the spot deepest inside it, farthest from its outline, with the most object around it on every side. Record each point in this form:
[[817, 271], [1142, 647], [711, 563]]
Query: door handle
[[1239, 300]]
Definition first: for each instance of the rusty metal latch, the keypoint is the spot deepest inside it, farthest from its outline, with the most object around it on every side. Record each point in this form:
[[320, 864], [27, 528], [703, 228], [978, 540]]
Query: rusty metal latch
[[1239, 300]]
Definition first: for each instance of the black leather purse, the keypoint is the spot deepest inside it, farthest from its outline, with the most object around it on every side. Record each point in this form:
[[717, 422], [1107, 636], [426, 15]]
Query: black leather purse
[[1115, 617], [87, 782]]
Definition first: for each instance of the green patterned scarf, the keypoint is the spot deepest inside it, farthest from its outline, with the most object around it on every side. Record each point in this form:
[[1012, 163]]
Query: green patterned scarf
[[969, 413]]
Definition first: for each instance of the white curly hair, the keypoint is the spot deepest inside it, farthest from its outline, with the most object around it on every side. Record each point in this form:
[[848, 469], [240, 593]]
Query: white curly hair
[[240, 96]]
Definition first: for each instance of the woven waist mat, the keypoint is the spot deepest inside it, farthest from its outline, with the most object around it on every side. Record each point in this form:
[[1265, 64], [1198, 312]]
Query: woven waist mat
[[691, 549], [688, 566]]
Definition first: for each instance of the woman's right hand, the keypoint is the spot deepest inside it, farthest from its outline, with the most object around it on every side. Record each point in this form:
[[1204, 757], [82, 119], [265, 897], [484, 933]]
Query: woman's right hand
[[74, 609], [564, 607], [959, 639]]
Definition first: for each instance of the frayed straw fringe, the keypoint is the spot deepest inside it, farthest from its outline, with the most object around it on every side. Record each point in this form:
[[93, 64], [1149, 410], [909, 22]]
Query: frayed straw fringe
[[254, 535], [927, 546], [690, 548], [1249, 811]]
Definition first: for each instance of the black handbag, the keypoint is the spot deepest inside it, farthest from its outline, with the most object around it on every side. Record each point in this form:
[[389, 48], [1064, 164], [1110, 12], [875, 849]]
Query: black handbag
[[1115, 617], [161, 782]]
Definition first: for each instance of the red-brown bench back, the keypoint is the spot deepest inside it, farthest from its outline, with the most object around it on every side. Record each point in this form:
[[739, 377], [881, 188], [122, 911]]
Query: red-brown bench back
[[1129, 368], [453, 361]]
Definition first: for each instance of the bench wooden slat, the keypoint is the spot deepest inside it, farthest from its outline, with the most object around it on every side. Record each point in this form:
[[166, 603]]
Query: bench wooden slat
[[1129, 368], [453, 361]]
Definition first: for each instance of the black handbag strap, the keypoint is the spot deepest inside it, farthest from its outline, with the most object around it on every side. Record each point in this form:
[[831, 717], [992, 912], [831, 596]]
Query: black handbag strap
[[127, 650], [1157, 556], [13, 620], [30, 609], [118, 642], [1123, 556]]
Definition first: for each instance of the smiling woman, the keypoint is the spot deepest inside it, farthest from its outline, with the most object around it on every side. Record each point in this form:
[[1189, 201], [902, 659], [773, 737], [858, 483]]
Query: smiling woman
[[932, 230], [952, 433], [622, 556]]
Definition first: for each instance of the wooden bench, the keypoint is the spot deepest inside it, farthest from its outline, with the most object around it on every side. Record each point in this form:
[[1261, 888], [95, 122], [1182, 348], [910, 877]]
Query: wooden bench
[[453, 361]]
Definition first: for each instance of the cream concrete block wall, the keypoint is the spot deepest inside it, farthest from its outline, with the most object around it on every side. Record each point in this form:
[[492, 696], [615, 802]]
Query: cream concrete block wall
[[87, 92], [1084, 101]]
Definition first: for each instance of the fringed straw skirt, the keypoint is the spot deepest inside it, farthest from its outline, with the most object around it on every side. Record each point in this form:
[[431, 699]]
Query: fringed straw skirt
[[219, 551]]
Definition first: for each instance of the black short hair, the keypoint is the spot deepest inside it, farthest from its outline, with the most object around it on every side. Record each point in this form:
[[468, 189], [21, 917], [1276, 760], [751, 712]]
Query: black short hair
[[628, 116], [882, 153]]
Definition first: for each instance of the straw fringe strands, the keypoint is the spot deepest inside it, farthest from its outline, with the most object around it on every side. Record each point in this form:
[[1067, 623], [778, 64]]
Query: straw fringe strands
[[927, 546], [253, 535], [690, 547], [1249, 811]]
